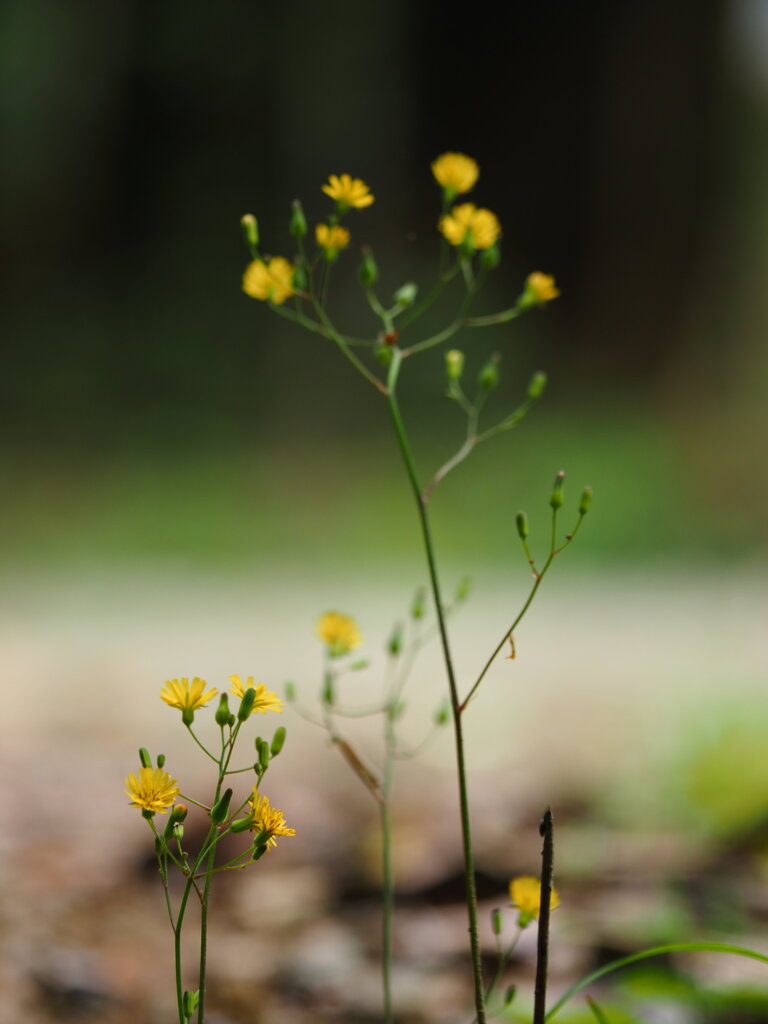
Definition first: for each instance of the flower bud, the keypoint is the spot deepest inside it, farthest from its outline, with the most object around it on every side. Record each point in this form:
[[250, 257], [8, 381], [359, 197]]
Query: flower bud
[[259, 851], [586, 501], [290, 692], [536, 385], [190, 1002], [369, 272], [490, 258], [161, 760], [250, 228], [463, 589], [509, 994], [454, 364], [488, 378], [240, 825], [179, 812], [246, 704], [406, 294], [383, 354], [539, 289], [557, 497], [419, 601], [443, 713], [299, 279], [220, 809], [328, 695], [397, 710], [496, 921], [298, 225], [521, 519], [277, 741], [223, 713], [361, 663], [263, 751], [146, 760], [395, 642]]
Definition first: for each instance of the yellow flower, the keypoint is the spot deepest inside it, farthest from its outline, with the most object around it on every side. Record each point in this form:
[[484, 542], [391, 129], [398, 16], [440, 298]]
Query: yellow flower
[[266, 819], [187, 698], [271, 281], [265, 700], [456, 172], [339, 632], [332, 238], [153, 791], [466, 224], [525, 894], [539, 288], [348, 191]]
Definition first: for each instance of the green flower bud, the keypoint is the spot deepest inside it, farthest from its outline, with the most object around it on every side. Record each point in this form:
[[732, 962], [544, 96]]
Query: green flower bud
[[521, 519], [536, 386], [146, 760], [178, 831], [463, 589], [496, 921], [263, 750], [383, 354], [359, 664], [179, 812], [454, 364], [259, 851], [328, 695], [220, 809], [395, 642], [397, 710], [443, 713], [586, 501], [240, 825], [189, 1003], [161, 760], [250, 228], [298, 225], [277, 741], [419, 603], [509, 994], [246, 704], [490, 258], [369, 272], [223, 713], [488, 378], [406, 294], [290, 692], [557, 497], [299, 279]]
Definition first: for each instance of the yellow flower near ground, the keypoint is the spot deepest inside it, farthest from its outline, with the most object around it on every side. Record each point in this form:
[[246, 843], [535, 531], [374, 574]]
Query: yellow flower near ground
[[541, 287], [456, 172], [270, 282], [525, 894], [265, 818], [348, 191], [466, 224], [179, 693], [154, 790], [332, 238], [265, 699], [339, 633]]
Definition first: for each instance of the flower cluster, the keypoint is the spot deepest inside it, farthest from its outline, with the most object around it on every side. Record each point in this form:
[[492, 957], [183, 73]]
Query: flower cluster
[[339, 633]]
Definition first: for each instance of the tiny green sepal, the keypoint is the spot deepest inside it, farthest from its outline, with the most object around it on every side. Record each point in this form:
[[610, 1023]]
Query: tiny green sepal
[[496, 921], [488, 377], [277, 741], [146, 760], [222, 711], [521, 521], [246, 704], [557, 497], [250, 227], [536, 386], [586, 501], [490, 258], [298, 225], [145, 813], [406, 294], [220, 809], [369, 272], [187, 717]]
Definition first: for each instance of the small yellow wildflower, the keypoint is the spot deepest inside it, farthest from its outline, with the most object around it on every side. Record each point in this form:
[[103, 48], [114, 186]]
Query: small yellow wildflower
[[271, 282], [539, 288], [466, 224], [267, 819], [348, 191], [525, 894], [456, 172], [178, 693], [154, 790], [339, 632], [265, 700], [332, 239]]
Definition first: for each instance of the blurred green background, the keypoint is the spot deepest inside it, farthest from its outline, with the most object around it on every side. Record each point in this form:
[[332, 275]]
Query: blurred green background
[[189, 481]]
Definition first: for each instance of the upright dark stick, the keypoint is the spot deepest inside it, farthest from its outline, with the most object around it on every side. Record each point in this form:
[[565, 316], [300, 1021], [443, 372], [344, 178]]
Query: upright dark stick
[[542, 946]]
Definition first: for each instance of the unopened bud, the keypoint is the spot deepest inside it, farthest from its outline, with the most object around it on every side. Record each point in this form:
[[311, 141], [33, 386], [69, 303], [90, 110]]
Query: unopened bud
[[395, 642], [418, 606], [521, 520], [454, 364], [277, 741], [490, 258], [361, 663], [406, 294], [586, 501], [223, 713], [488, 378], [246, 704], [509, 994], [496, 921], [263, 751], [328, 695], [220, 809], [442, 714], [383, 354], [290, 692], [298, 225], [240, 825], [190, 1003], [161, 760], [250, 227], [146, 760], [463, 589], [179, 812], [369, 272], [259, 851], [557, 497], [536, 386], [299, 279]]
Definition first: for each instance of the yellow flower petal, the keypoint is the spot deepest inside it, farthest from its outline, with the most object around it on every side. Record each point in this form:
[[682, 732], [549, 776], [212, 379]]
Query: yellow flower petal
[[154, 790], [339, 632], [348, 191], [478, 228], [456, 172], [269, 282]]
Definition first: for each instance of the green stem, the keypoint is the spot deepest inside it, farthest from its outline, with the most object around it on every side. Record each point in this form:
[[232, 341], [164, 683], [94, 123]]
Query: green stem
[[334, 335], [542, 942], [388, 888], [469, 868]]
